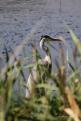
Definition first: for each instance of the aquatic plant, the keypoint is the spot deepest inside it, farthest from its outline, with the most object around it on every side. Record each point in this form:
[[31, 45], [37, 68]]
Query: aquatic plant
[[62, 100]]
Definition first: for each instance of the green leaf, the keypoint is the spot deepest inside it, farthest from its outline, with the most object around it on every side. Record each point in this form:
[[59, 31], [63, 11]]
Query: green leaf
[[46, 86]]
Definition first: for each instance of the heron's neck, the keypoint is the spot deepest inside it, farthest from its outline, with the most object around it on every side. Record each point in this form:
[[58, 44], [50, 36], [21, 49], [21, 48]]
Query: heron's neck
[[48, 54], [47, 58], [45, 49]]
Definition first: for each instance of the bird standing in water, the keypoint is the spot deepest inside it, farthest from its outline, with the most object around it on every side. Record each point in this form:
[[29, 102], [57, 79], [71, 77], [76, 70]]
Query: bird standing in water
[[43, 67]]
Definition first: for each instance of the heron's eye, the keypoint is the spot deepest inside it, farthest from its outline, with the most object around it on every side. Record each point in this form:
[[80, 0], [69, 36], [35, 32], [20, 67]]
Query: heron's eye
[[42, 37]]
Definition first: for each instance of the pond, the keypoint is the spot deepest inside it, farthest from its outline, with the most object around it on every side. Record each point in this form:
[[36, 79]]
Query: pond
[[21, 18]]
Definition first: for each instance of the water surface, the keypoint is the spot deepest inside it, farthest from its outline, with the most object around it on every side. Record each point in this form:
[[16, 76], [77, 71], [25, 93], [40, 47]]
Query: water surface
[[17, 18]]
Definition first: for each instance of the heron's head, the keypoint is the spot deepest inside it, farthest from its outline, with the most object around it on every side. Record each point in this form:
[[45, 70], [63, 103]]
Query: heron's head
[[47, 39]]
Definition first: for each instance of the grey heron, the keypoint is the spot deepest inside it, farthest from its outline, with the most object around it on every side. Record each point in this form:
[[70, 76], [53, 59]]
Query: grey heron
[[35, 76]]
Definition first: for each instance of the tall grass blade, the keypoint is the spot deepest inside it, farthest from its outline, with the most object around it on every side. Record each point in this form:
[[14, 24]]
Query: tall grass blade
[[75, 39]]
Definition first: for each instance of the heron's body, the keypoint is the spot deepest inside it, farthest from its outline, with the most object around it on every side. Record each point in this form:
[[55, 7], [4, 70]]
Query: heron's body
[[42, 69], [36, 75]]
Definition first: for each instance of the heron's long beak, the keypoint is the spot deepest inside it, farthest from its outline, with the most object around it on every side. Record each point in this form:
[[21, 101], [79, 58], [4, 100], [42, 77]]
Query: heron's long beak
[[54, 39], [50, 39]]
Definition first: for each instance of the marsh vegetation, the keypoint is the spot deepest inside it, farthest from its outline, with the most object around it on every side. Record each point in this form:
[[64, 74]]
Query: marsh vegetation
[[57, 96]]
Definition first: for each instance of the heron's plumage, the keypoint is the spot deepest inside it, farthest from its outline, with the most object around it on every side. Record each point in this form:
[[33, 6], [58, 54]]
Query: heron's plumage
[[45, 66]]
